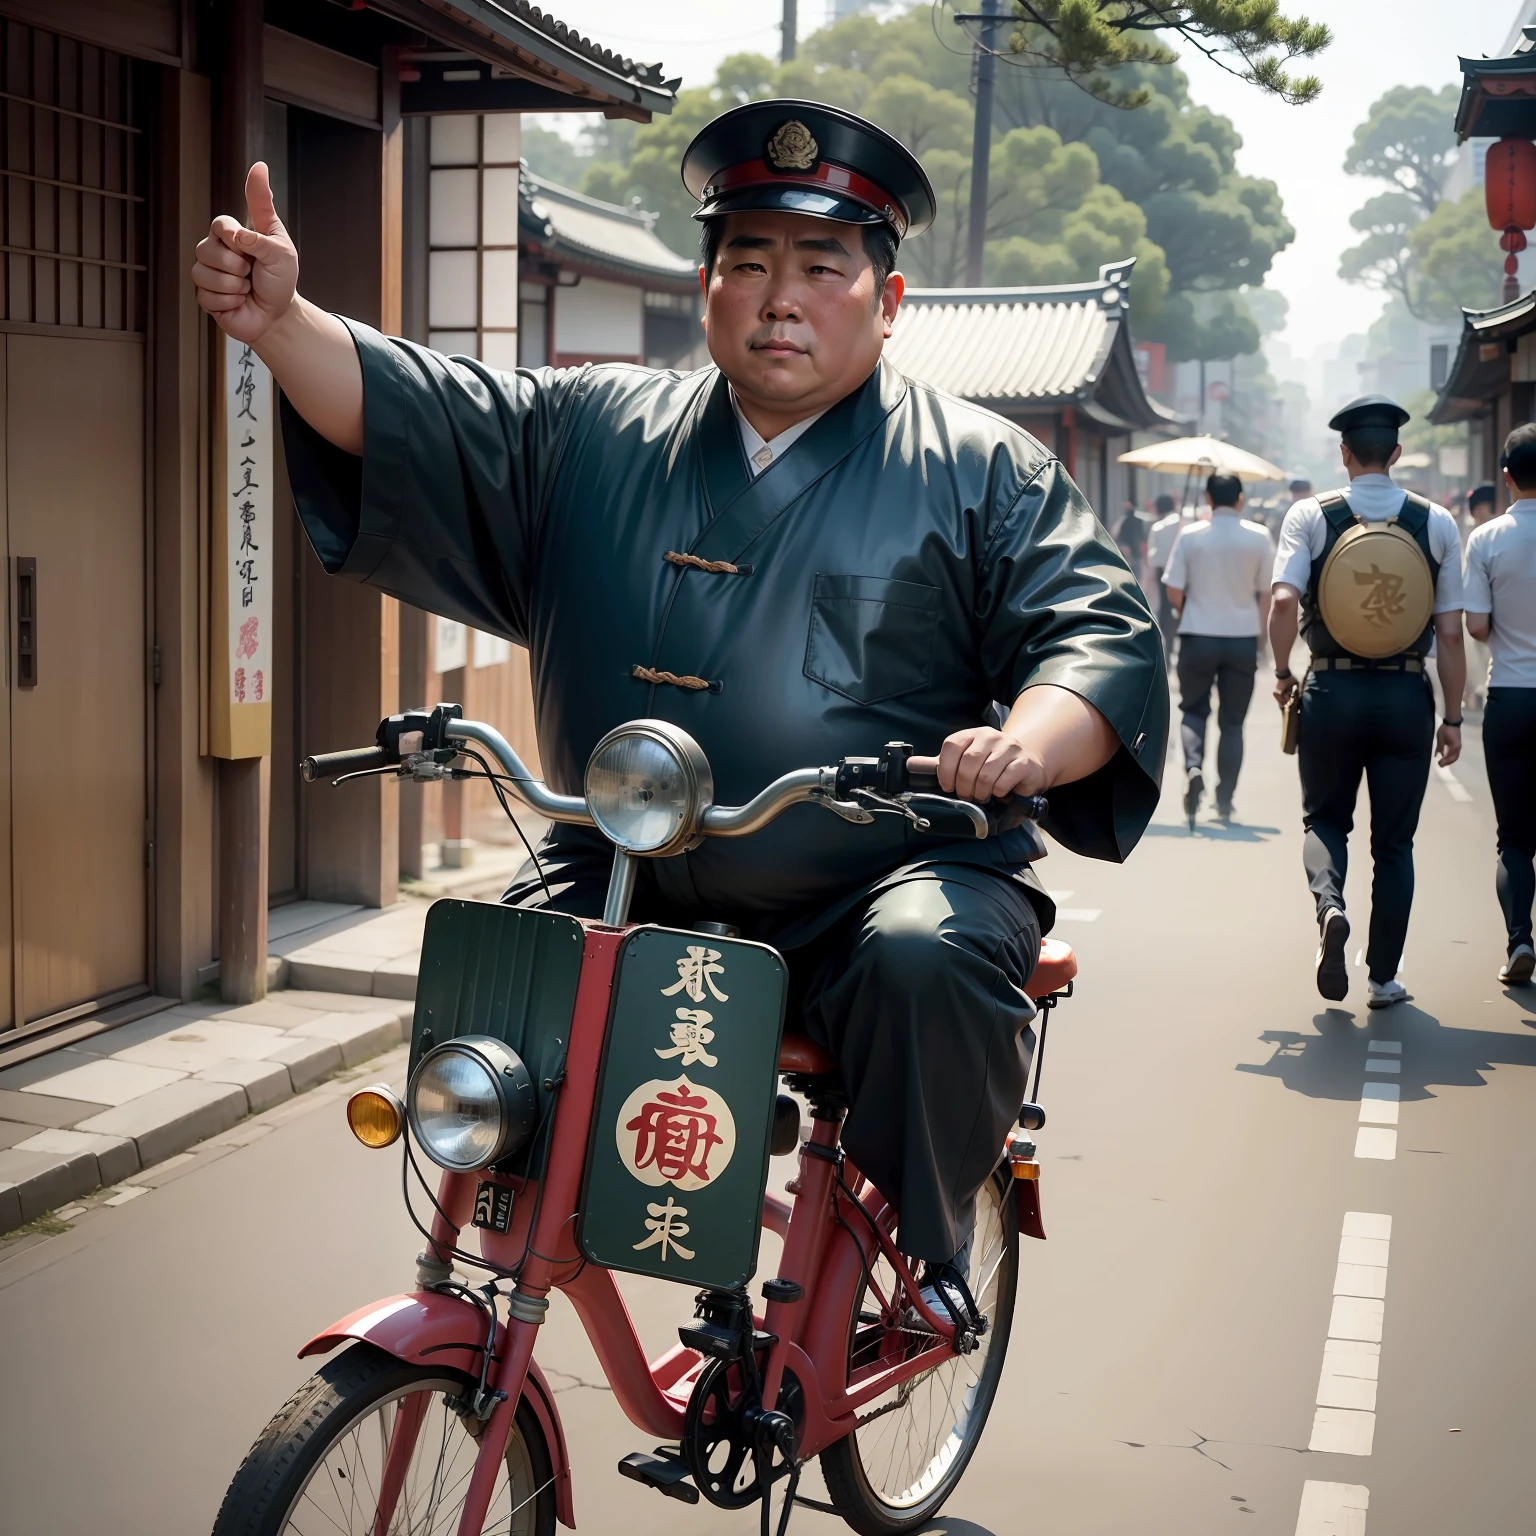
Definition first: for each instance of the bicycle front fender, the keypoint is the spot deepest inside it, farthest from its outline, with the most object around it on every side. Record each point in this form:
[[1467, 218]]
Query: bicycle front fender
[[430, 1328]]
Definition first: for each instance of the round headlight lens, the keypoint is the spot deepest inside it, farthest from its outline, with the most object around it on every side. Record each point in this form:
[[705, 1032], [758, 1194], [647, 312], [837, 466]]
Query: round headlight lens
[[456, 1111], [641, 791]]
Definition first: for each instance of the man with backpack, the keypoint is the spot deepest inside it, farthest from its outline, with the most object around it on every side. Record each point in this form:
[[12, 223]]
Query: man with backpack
[[1371, 578]]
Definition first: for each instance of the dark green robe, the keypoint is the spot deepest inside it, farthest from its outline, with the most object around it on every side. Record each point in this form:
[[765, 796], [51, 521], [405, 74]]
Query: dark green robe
[[909, 560]]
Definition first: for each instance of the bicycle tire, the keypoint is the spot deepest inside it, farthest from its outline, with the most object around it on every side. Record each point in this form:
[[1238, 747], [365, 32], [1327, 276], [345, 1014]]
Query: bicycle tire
[[277, 1472], [850, 1484]]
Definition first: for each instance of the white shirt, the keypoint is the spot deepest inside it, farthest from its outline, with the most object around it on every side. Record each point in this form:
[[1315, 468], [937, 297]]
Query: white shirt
[[762, 452], [1161, 536], [1373, 499], [1501, 581], [1222, 567]]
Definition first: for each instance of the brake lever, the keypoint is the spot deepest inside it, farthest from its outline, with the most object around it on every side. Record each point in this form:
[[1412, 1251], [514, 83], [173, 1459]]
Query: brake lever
[[844, 808]]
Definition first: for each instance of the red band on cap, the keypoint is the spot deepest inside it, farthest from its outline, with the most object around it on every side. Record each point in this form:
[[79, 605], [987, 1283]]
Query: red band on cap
[[826, 177]]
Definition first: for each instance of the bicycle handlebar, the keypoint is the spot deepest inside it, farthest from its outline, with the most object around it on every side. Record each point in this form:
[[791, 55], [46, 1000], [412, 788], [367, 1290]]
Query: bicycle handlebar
[[850, 788], [353, 760]]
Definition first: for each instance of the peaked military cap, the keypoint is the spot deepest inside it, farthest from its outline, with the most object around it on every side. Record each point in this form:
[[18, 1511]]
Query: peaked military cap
[[1369, 411], [805, 157]]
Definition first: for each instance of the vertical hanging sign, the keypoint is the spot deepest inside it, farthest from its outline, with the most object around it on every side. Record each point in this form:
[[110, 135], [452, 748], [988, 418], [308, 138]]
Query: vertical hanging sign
[[240, 713]]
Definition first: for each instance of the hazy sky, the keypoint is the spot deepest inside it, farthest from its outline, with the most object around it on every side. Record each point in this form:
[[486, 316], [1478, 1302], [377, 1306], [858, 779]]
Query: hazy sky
[[1378, 44]]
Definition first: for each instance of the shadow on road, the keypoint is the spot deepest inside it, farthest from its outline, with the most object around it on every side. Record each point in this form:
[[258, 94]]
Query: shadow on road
[[1215, 831], [1331, 1064], [945, 1525]]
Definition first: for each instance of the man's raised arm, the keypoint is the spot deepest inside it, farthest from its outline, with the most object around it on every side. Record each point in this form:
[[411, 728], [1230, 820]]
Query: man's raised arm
[[247, 279]]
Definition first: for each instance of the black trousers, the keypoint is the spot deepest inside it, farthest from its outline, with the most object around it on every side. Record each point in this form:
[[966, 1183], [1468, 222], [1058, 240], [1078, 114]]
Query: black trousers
[[1381, 725], [1509, 749], [919, 992], [1227, 663]]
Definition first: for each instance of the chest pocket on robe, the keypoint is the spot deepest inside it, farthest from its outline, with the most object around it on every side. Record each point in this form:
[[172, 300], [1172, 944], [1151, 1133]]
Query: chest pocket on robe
[[871, 638]]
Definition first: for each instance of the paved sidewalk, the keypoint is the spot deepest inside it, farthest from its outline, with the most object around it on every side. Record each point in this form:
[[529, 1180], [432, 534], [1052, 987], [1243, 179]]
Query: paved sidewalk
[[103, 1109], [98, 1112], [377, 953]]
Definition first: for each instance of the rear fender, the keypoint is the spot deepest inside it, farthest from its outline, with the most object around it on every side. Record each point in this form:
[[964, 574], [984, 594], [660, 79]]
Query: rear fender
[[429, 1328], [1026, 1205]]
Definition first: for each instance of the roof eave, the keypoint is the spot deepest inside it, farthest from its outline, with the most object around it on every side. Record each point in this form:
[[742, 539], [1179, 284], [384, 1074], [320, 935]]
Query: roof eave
[[484, 28]]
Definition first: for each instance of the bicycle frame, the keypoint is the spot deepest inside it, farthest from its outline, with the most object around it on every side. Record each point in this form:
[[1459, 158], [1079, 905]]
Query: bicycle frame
[[825, 1258]]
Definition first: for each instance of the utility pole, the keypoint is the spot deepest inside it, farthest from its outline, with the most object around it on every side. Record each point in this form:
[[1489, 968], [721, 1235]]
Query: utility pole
[[981, 141], [791, 22]]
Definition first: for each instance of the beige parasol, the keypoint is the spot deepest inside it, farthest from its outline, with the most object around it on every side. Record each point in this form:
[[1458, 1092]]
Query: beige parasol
[[1192, 455]]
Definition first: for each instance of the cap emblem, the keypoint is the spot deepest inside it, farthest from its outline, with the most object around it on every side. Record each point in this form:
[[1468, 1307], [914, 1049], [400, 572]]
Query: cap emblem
[[792, 147]]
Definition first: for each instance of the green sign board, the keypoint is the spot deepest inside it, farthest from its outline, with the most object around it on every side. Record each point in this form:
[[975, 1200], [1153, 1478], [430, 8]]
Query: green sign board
[[487, 969], [679, 1155]]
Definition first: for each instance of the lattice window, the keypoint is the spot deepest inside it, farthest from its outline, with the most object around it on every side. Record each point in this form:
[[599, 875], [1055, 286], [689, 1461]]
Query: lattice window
[[472, 291], [72, 216]]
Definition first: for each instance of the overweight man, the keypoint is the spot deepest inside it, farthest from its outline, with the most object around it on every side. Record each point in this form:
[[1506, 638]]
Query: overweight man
[[794, 555]]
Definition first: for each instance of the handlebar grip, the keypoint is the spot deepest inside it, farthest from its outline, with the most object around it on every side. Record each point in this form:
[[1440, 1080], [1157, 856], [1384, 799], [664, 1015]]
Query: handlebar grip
[[355, 760], [1035, 807]]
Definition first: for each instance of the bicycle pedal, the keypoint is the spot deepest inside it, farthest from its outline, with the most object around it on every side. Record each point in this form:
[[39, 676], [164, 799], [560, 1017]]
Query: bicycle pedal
[[664, 1470]]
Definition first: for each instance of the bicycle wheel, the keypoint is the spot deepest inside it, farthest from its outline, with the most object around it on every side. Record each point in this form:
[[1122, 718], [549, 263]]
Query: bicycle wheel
[[315, 1468], [912, 1446]]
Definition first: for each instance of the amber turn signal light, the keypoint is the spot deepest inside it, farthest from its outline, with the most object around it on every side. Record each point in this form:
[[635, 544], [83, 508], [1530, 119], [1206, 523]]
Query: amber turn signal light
[[376, 1115]]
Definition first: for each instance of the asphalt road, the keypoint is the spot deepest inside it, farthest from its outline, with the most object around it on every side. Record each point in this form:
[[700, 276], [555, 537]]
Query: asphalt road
[[1199, 1166]]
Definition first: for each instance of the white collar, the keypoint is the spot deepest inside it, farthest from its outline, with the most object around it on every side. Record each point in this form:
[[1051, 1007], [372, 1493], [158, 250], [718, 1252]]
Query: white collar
[[1372, 482], [1525, 504], [762, 452]]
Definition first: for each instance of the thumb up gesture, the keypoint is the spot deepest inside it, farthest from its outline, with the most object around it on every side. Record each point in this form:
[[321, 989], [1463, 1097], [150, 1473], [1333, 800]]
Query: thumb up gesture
[[246, 275]]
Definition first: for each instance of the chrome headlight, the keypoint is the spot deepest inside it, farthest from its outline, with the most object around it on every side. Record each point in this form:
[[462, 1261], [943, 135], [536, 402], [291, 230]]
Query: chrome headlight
[[470, 1103], [647, 786]]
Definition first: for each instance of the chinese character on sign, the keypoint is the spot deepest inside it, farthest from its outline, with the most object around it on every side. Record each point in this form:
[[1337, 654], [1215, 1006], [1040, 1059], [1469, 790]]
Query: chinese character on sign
[[260, 684], [676, 1133], [246, 388], [666, 1225], [250, 637], [696, 971], [240, 685], [689, 1037]]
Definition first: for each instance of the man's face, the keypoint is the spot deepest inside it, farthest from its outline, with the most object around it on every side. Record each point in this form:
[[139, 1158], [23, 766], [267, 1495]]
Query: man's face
[[792, 315]]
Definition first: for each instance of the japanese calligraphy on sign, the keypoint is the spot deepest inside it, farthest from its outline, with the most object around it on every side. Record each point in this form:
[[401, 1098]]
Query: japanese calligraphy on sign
[[675, 1184], [243, 554]]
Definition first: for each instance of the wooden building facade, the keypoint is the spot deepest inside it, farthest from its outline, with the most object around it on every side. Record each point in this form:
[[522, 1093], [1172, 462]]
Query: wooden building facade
[[133, 863]]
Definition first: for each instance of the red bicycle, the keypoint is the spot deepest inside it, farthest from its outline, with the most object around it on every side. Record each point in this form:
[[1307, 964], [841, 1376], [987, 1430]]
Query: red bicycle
[[602, 1096]]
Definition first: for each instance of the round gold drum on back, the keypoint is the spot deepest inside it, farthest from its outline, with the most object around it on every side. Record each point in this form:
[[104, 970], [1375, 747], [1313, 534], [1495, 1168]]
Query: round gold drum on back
[[1376, 592]]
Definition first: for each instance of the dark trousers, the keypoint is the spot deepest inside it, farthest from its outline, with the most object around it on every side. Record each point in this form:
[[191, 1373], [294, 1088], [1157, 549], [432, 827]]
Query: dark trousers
[[919, 992], [1382, 725], [1228, 664], [1509, 749]]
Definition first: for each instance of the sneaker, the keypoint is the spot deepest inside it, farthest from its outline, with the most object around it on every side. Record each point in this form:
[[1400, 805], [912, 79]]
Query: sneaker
[[1332, 967], [1520, 966], [1224, 812], [1385, 993], [1194, 787], [914, 1321]]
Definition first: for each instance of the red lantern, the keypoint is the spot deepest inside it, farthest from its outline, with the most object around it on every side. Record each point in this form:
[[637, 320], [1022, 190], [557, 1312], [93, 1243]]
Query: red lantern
[[1509, 184], [1509, 187]]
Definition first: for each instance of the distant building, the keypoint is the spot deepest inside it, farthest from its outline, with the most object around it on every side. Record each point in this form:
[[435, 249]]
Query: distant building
[[1057, 360], [597, 285]]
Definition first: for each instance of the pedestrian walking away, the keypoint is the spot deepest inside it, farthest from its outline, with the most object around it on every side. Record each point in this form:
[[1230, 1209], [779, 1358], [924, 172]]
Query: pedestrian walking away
[[1218, 581], [1160, 539], [1501, 611], [1371, 578], [1482, 505]]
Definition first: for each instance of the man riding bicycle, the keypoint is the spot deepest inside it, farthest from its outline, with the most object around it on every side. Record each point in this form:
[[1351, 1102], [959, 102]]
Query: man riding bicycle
[[794, 555]]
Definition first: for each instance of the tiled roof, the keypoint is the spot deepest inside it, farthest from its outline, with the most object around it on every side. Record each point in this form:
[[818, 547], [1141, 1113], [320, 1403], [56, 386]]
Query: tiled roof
[[1029, 347], [569, 37], [1000, 346], [603, 232]]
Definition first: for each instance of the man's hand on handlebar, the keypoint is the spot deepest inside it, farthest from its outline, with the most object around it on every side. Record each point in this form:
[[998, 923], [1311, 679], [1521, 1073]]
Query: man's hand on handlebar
[[982, 764]]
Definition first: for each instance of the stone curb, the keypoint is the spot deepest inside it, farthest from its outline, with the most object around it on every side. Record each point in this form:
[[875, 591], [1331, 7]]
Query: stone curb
[[52, 1167]]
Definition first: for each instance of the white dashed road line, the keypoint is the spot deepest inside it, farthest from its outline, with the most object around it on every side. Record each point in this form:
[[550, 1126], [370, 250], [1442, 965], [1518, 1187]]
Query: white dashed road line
[[1332, 1509], [1345, 1421], [1380, 1102], [1453, 786]]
